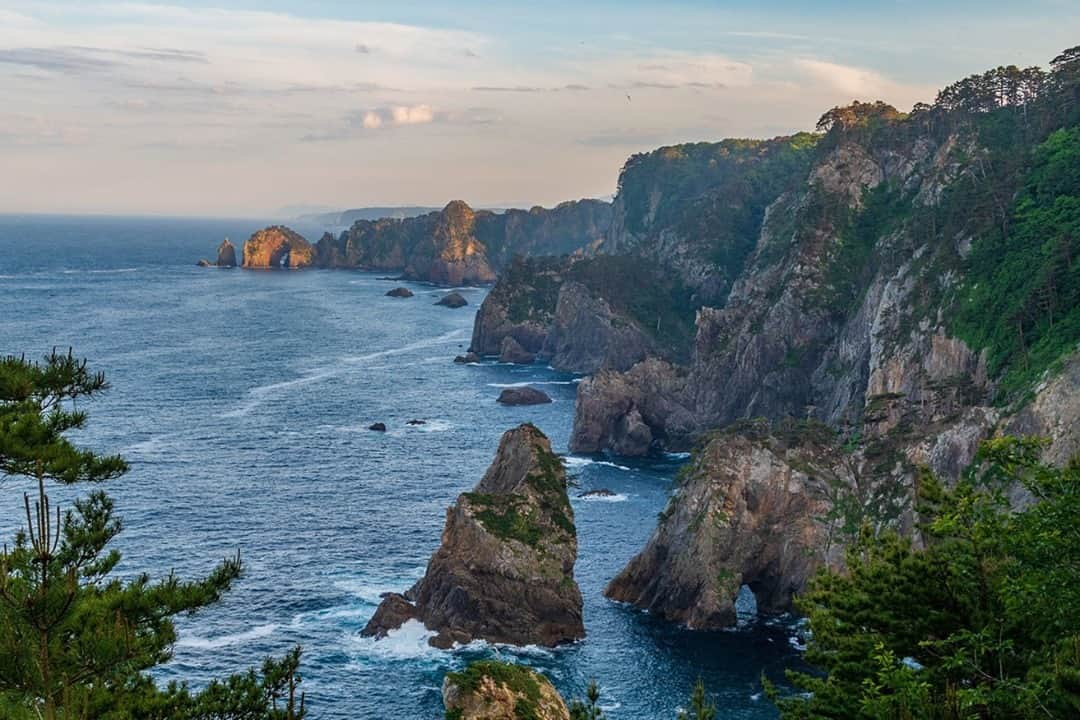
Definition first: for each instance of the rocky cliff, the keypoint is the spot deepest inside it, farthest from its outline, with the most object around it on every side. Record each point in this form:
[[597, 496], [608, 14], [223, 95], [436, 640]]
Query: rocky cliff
[[752, 509], [277, 247], [504, 571], [459, 245], [492, 690]]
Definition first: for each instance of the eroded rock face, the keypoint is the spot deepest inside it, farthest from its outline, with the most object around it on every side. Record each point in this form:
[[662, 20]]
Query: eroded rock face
[[629, 412], [748, 512], [587, 335], [492, 690], [512, 352], [505, 569], [226, 254], [459, 245], [277, 247]]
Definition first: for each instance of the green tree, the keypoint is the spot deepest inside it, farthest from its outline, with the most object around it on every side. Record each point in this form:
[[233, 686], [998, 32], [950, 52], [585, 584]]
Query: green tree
[[75, 641], [590, 709], [701, 708], [980, 622]]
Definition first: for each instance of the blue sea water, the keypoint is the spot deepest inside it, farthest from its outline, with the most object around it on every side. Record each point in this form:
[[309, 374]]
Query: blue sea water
[[242, 401]]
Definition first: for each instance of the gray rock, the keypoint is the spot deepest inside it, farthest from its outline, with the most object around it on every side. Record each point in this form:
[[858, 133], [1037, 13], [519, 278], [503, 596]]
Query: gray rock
[[523, 396], [453, 300], [512, 352]]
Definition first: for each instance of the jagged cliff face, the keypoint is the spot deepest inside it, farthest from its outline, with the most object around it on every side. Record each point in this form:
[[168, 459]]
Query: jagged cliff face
[[750, 511], [504, 571], [459, 245], [277, 247]]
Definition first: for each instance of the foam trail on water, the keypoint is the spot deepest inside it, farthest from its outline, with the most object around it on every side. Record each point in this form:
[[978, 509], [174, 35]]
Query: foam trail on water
[[257, 395], [574, 462], [534, 382], [221, 641]]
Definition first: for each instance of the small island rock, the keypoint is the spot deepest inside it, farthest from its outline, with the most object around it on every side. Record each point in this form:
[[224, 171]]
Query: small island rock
[[400, 292], [469, 357], [494, 690], [453, 300], [226, 254], [377, 427], [523, 396]]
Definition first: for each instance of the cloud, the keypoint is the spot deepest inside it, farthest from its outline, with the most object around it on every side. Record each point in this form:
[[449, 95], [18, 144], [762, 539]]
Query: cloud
[[62, 60], [395, 115], [845, 78], [508, 89]]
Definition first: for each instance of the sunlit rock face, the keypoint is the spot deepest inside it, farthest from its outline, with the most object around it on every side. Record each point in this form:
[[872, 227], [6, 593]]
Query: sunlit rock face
[[277, 247], [504, 571]]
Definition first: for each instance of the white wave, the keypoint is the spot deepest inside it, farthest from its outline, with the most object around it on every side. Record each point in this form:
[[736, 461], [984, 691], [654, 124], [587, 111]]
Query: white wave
[[108, 271], [221, 641], [257, 395], [573, 461], [371, 591], [534, 382], [408, 642], [677, 455], [617, 497], [795, 642]]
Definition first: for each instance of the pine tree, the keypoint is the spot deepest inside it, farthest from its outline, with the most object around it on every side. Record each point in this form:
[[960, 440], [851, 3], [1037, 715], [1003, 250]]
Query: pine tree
[[701, 708], [590, 709], [75, 641]]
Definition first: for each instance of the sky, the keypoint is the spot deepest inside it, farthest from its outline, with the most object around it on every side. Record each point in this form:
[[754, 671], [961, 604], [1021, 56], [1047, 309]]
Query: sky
[[248, 108]]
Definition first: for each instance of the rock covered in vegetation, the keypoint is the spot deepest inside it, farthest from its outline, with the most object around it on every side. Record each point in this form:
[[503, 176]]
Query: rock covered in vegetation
[[399, 292], [277, 247], [523, 396], [458, 245], [452, 300], [493, 690], [504, 571], [749, 510], [226, 254]]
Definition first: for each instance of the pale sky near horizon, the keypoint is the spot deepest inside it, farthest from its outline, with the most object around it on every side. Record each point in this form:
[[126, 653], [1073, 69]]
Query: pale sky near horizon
[[243, 108]]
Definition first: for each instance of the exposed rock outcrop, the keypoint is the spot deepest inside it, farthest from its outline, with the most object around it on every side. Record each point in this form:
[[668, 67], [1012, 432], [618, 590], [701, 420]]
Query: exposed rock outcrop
[[459, 245], [749, 511], [467, 358], [492, 690], [452, 300], [226, 254], [277, 247], [523, 396], [505, 569], [400, 292], [512, 352]]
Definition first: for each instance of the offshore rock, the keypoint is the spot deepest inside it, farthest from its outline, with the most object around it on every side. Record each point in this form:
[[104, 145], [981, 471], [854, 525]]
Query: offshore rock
[[469, 357], [523, 396], [277, 247], [452, 300], [504, 571], [399, 292], [203, 262], [493, 690], [749, 511], [226, 254]]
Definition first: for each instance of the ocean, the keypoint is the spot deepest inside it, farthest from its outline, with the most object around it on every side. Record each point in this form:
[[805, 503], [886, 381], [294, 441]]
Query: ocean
[[242, 401]]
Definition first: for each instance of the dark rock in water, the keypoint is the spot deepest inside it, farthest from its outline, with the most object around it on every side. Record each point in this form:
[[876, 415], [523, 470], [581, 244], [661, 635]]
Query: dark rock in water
[[469, 357], [523, 396], [226, 254], [601, 492], [400, 292], [512, 352], [394, 611], [505, 569], [204, 263], [416, 422], [378, 427], [453, 300]]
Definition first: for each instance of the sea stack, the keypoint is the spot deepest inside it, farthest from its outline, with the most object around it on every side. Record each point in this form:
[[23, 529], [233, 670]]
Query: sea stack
[[226, 254], [277, 247], [505, 569]]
